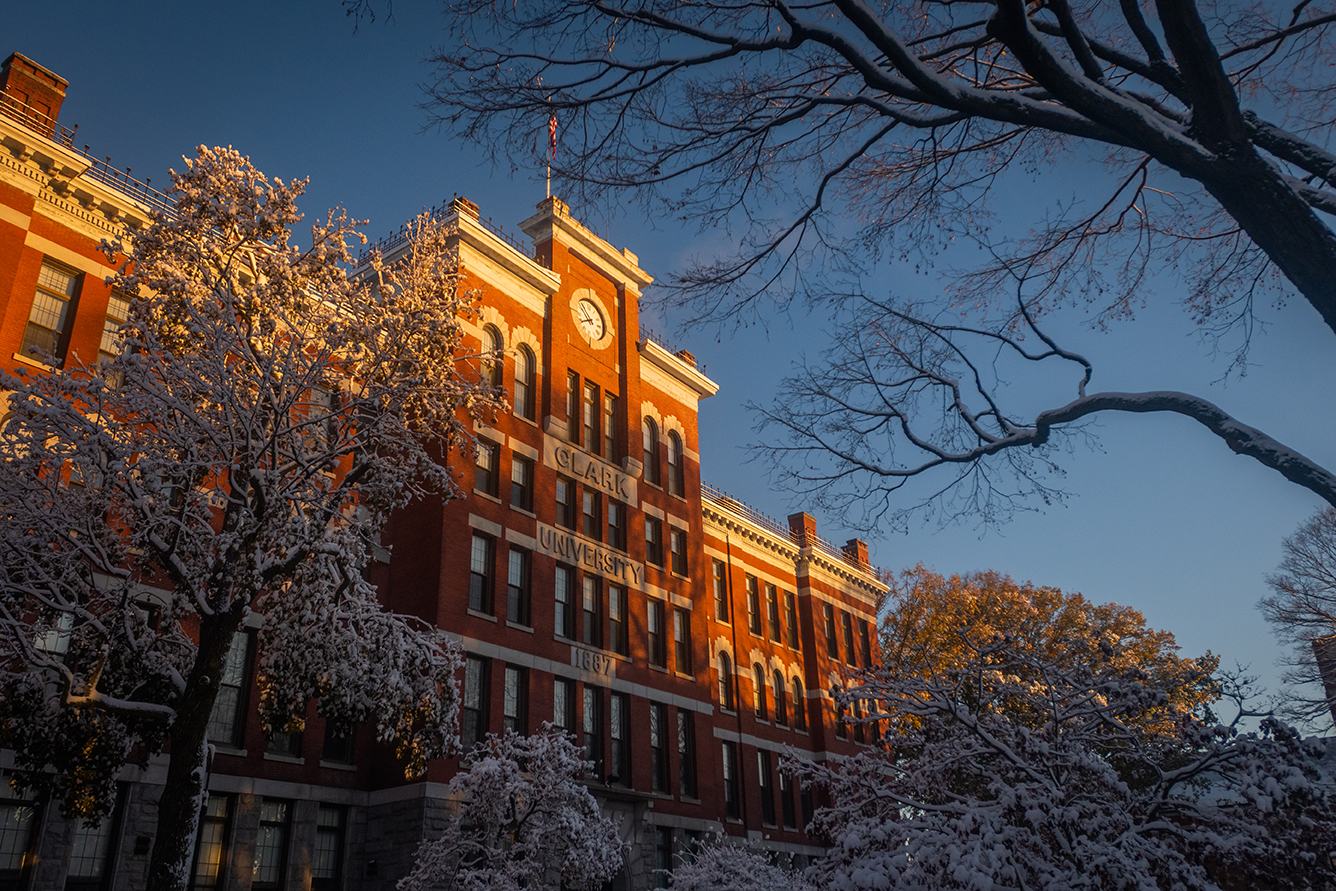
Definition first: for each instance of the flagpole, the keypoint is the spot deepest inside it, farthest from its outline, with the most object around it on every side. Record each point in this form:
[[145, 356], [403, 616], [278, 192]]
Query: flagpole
[[552, 142]]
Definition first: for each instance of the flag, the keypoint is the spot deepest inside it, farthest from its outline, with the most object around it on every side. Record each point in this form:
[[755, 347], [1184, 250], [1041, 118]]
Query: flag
[[552, 133]]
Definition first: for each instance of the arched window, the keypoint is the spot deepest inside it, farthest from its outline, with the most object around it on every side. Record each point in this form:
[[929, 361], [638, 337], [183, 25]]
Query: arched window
[[799, 705], [725, 682], [651, 456], [493, 356], [781, 700], [759, 673], [524, 382], [676, 466]]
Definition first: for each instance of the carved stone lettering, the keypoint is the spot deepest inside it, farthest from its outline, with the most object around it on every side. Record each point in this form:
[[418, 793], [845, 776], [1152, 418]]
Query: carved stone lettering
[[589, 556], [593, 662], [589, 470]]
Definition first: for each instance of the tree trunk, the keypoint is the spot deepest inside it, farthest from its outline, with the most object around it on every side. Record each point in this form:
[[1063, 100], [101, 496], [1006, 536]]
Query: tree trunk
[[1282, 224], [182, 798]]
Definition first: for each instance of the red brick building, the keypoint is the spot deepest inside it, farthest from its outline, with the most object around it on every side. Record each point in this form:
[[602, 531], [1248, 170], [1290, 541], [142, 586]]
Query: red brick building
[[686, 640]]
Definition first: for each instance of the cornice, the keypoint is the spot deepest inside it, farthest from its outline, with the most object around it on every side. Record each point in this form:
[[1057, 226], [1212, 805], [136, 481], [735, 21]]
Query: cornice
[[553, 221], [728, 521], [677, 369], [813, 558]]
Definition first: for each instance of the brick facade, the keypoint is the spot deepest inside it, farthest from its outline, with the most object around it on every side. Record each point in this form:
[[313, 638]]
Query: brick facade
[[675, 593]]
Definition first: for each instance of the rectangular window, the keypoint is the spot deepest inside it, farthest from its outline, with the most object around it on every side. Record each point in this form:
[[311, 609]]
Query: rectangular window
[[850, 655], [47, 334], [805, 799], [480, 573], [732, 794], [753, 605], [592, 440], [765, 784], [485, 469], [618, 639], [686, 752], [89, 854], [593, 523], [591, 622], [720, 578], [663, 855], [682, 641], [593, 729], [515, 711], [573, 406], [658, 755], [285, 743], [517, 587], [832, 643], [327, 852], [619, 759], [616, 525], [473, 709], [677, 546], [654, 541], [786, 810], [654, 625], [271, 844], [211, 843], [338, 746], [565, 612], [772, 610], [118, 310], [565, 492], [609, 426], [226, 723], [521, 482], [864, 643], [563, 704], [791, 617]]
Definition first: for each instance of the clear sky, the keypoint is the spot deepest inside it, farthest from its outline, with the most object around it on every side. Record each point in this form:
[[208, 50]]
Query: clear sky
[[1163, 518]]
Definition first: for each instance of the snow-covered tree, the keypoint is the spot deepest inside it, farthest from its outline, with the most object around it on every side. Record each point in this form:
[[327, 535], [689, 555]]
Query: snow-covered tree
[[228, 470], [723, 866], [1110, 784], [1302, 610], [932, 623], [524, 820]]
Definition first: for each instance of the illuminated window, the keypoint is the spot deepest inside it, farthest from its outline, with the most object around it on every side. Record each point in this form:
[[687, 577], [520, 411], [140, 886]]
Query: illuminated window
[[591, 414], [609, 426], [656, 648], [677, 548], [753, 605], [211, 846], [758, 690], [791, 617], [485, 469], [90, 853], [47, 334], [654, 541], [772, 610], [799, 705], [118, 310], [17, 822], [616, 525], [565, 495], [781, 700], [593, 523]]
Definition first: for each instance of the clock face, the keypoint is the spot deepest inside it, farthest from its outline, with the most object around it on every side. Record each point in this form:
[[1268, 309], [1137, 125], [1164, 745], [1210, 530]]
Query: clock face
[[590, 319]]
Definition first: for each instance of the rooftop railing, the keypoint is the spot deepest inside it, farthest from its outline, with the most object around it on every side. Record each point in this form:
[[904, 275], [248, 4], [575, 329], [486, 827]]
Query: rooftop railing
[[99, 169], [686, 356], [781, 530]]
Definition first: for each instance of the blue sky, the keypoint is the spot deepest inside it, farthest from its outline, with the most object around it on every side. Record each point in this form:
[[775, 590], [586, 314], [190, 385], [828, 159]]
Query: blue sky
[[1163, 517]]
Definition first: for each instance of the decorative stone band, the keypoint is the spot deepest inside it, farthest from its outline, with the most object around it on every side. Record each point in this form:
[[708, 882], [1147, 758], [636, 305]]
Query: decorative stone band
[[591, 557], [589, 470]]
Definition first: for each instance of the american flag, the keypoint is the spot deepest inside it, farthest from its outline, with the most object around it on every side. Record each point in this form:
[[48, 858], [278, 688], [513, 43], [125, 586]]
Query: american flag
[[552, 133]]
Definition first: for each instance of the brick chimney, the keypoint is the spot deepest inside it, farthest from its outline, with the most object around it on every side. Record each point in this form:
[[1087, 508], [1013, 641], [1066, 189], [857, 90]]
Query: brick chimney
[[1324, 650], [803, 527], [27, 84], [463, 206], [856, 550]]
